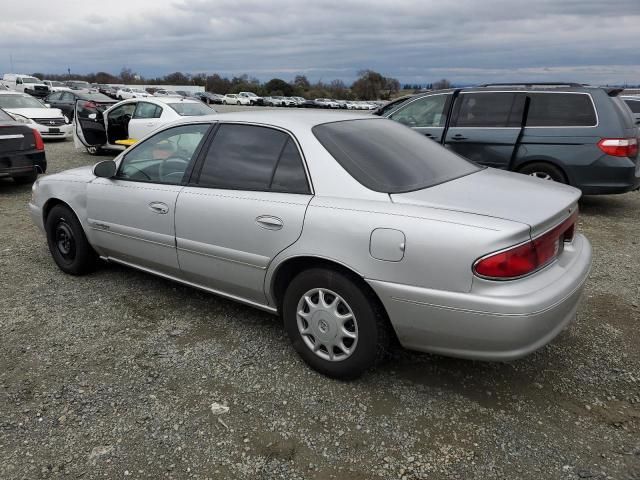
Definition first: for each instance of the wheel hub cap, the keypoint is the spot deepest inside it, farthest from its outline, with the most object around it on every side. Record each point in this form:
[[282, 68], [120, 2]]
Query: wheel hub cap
[[327, 324], [64, 240]]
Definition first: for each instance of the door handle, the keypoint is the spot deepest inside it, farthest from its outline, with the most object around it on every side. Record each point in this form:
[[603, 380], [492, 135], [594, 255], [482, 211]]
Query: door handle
[[159, 207], [458, 136], [269, 222], [150, 124]]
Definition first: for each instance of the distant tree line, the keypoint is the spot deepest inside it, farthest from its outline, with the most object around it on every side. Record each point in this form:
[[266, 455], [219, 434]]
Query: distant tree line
[[368, 86]]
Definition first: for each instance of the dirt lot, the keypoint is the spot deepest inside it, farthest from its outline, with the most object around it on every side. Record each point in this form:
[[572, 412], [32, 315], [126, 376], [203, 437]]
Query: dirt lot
[[113, 376]]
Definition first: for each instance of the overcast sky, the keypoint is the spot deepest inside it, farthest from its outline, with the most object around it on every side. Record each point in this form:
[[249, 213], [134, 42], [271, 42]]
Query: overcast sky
[[416, 41]]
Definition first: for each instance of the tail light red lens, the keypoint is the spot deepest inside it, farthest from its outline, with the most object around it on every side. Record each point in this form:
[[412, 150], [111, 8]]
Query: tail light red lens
[[528, 257], [38, 139], [89, 104], [619, 147]]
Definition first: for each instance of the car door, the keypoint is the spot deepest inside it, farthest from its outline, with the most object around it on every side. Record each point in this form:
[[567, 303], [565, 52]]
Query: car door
[[485, 126], [427, 114], [131, 216], [145, 119], [244, 205], [66, 103], [90, 125]]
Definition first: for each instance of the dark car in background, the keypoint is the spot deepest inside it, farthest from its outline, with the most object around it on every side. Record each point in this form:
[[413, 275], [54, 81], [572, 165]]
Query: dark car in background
[[66, 101], [634, 105], [580, 135], [22, 154]]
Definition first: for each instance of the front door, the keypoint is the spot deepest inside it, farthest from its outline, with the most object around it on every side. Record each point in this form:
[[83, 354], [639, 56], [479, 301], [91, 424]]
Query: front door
[[245, 205], [427, 115], [131, 216], [485, 127]]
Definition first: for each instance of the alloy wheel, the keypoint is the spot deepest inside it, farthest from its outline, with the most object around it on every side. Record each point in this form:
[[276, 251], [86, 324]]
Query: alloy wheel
[[541, 175], [327, 324]]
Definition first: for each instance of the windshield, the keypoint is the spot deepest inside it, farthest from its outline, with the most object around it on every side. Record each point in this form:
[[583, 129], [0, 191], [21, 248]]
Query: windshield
[[19, 101], [388, 157], [188, 109], [57, 84], [30, 80]]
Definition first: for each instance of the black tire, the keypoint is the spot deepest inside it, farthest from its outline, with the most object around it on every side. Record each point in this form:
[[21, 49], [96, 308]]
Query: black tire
[[373, 330], [67, 242], [545, 171], [24, 179]]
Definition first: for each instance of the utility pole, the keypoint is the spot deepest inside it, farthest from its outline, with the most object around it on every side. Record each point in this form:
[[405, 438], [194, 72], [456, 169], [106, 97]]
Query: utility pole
[[11, 61]]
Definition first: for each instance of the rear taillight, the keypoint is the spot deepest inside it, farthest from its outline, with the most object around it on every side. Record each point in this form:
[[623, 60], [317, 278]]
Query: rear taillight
[[89, 104], [38, 139], [619, 147], [528, 257]]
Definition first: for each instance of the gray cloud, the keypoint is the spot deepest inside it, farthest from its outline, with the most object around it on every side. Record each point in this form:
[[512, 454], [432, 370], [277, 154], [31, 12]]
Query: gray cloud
[[415, 41]]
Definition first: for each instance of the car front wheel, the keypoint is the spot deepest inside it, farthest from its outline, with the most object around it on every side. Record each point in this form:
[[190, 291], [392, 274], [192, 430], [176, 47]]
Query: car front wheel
[[335, 324], [67, 242]]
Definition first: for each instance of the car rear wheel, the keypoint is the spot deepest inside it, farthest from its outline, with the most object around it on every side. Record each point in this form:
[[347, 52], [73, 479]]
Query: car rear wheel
[[23, 179], [544, 171], [67, 242], [335, 324]]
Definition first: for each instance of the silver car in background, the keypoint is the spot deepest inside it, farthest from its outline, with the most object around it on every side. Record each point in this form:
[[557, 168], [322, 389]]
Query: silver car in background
[[353, 229]]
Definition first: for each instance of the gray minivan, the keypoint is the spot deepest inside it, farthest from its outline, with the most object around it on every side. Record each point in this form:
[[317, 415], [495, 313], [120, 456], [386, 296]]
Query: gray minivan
[[580, 135]]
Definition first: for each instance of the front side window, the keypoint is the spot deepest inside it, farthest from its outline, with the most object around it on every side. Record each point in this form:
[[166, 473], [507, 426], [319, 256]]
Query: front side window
[[68, 97], [247, 157], [163, 158], [54, 97], [387, 157], [423, 112], [561, 110], [491, 109], [147, 110]]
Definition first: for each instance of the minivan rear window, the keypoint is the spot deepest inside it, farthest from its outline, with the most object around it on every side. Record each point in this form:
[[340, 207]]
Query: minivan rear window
[[561, 110], [634, 105], [388, 157]]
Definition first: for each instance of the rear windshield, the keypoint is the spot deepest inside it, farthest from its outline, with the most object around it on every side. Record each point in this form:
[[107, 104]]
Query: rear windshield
[[388, 157], [96, 97], [188, 109], [561, 110]]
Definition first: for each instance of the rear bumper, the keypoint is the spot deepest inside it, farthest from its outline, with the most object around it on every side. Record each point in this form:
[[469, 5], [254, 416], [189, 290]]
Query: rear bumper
[[496, 320], [21, 163], [610, 175]]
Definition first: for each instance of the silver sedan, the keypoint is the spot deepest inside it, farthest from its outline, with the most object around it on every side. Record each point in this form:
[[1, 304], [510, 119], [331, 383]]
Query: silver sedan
[[356, 230]]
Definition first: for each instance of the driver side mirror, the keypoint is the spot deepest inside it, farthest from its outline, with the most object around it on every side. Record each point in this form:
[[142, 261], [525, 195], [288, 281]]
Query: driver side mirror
[[48, 105], [105, 169]]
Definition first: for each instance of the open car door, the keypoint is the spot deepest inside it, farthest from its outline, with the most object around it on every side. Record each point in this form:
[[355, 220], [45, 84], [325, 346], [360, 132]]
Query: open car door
[[90, 125]]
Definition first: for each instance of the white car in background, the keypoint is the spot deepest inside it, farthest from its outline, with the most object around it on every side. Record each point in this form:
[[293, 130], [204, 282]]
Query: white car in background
[[56, 86], [166, 93], [127, 93], [253, 98], [235, 99], [131, 120], [327, 103], [50, 122]]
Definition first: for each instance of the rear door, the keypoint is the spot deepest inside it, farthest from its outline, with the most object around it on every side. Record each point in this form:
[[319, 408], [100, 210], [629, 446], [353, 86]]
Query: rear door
[[485, 126], [245, 205], [145, 119], [427, 114]]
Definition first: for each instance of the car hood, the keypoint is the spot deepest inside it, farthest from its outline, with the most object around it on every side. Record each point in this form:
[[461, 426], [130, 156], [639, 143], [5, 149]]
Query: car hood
[[80, 174], [496, 193], [43, 112]]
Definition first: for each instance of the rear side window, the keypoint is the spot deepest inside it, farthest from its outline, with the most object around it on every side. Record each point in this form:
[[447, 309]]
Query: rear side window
[[634, 105], [388, 157], [488, 110], [561, 110], [248, 157], [147, 110]]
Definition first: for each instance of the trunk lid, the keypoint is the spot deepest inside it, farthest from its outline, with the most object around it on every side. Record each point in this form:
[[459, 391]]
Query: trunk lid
[[15, 138], [541, 204]]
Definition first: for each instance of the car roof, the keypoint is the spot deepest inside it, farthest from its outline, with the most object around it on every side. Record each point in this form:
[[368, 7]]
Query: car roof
[[289, 120]]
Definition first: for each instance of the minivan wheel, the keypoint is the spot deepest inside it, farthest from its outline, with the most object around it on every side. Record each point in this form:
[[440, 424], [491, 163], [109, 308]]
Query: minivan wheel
[[334, 324], [544, 171], [67, 242]]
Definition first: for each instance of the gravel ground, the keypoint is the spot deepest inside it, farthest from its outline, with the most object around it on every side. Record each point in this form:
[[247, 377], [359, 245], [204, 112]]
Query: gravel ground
[[113, 375]]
